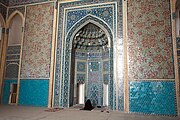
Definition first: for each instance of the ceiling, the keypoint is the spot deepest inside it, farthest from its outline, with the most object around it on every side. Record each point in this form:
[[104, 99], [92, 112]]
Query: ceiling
[[90, 37]]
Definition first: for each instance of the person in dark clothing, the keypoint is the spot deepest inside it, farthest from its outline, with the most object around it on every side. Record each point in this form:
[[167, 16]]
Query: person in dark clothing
[[88, 105]]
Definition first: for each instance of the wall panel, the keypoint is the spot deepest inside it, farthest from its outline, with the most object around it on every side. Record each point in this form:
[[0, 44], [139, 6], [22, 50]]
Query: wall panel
[[37, 41]]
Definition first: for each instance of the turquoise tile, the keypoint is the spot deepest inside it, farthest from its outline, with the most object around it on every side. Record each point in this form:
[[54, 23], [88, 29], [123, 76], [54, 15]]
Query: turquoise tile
[[153, 98], [34, 92]]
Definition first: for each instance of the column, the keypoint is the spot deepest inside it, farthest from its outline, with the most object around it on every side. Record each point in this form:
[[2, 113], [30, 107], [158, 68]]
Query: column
[[105, 94], [81, 93]]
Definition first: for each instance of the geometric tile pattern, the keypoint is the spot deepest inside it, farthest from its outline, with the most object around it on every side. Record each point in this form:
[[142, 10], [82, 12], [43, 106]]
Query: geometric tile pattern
[[81, 78], [94, 55], [94, 66], [13, 50], [38, 36], [12, 71], [150, 51], [155, 97], [104, 13], [38, 95], [81, 66], [95, 83], [12, 62], [81, 55]]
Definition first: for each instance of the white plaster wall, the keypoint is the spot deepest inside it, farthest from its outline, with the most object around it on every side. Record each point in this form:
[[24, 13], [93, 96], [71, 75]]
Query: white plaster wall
[[15, 31]]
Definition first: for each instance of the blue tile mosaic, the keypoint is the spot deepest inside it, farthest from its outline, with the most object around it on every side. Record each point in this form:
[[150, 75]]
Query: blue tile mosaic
[[34, 92], [113, 26], [6, 90], [153, 97], [105, 13], [94, 66], [95, 83], [81, 66], [81, 78], [66, 69]]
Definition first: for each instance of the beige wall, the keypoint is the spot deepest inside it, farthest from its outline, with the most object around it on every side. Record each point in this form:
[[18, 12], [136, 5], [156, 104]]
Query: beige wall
[[15, 31]]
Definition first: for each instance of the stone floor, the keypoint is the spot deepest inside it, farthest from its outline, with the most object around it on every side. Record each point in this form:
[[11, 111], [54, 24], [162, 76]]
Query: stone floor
[[39, 113]]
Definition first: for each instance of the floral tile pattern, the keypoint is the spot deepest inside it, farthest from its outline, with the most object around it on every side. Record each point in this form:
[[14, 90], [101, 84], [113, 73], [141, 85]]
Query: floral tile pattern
[[38, 36], [149, 39]]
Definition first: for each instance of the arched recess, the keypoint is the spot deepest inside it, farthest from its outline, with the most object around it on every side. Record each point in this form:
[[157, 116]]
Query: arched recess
[[2, 35], [67, 58], [13, 52], [9, 20]]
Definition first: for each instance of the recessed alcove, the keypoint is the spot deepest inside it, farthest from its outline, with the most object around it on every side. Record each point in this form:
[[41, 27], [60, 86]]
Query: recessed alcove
[[90, 66]]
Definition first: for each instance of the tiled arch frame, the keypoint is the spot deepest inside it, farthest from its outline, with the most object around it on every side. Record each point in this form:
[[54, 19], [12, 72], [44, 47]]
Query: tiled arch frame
[[66, 63]]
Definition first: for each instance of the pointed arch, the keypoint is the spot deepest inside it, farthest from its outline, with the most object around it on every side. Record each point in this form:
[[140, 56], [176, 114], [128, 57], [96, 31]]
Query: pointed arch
[[67, 52], [89, 19], [9, 20]]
